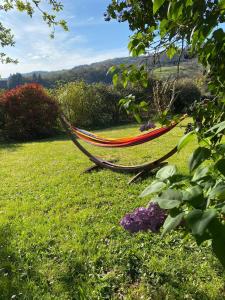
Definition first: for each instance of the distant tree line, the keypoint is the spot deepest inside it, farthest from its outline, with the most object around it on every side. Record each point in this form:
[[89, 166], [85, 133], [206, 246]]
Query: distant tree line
[[17, 79]]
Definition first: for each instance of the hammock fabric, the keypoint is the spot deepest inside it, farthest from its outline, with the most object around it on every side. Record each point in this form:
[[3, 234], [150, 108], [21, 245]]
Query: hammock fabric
[[122, 142]]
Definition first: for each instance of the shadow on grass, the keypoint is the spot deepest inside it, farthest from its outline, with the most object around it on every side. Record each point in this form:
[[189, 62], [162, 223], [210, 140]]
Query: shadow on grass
[[10, 146], [13, 145]]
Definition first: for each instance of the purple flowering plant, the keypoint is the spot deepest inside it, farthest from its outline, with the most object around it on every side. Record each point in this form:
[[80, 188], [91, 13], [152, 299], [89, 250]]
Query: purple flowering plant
[[143, 219], [147, 126]]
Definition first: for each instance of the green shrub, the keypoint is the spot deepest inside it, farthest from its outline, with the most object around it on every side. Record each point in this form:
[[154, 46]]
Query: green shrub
[[186, 94], [27, 112], [89, 105]]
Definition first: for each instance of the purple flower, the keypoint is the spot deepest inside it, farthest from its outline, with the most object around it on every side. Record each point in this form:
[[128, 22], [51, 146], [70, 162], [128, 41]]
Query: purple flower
[[158, 216], [143, 219], [147, 126]]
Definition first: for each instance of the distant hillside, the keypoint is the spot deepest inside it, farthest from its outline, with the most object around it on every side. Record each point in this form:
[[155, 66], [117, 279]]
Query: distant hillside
[[92, 73], [96, 72]]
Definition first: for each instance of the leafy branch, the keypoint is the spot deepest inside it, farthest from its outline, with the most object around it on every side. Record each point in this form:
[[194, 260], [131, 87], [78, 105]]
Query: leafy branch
[[29, 7]]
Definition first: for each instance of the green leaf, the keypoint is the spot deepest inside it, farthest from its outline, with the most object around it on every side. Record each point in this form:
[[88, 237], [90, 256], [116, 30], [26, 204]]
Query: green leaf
[[166, 172], [137, 117], [189, 3], [155, 187], [222, 4], [125, 82], [200, 173], [223, 209], [198, 156], [169, 199], [163, 27], [217, 191], [111, 70], [218, 246], [217, 230], [144, 82], [171, 223], [220, 166], [218, 34], [143, 105], [192, 192], [176, 10], [199, 220], [171, 51], [185, 140], [221, 148], [220, 127], [157, 4], [194, 195], [115, 79]]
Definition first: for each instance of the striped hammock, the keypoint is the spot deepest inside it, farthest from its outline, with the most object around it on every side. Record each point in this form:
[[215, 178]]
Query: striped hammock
[[96, 140]]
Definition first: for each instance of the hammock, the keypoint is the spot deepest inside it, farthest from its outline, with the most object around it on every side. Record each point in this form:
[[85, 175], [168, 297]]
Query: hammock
[[94, 139], [122, 142]]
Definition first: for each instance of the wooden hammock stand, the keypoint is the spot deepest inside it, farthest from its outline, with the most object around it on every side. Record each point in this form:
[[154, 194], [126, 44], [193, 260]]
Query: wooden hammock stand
[[99, 163]]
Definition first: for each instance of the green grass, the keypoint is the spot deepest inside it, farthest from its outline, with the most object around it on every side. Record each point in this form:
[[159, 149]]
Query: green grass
[[60, 236]]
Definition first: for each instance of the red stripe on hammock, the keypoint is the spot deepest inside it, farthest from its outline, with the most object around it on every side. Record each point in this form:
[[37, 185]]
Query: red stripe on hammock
[[131, 141]]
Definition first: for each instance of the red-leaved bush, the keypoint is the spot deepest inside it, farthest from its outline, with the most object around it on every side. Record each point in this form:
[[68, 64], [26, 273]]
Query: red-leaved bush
[[28, 112]]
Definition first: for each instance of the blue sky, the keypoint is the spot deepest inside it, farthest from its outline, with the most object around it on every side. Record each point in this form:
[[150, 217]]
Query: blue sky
[[90, 38]]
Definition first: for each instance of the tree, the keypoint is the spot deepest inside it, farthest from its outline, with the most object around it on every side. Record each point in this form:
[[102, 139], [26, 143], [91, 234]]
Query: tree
[[28, 112], [30, 7], [34, 77], [171, 25], [39, 79], [196, 200], [15, 80]]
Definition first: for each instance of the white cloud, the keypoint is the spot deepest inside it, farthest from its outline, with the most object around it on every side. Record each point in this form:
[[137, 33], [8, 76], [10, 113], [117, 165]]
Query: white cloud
[[36, 51], [60, 60], [91, 21]]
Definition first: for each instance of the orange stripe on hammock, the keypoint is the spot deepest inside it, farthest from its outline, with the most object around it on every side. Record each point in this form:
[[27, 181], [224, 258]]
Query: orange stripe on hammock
[[125, 142]]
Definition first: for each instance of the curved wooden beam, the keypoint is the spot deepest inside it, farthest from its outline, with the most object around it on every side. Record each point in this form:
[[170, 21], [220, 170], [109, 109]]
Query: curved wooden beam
[[111, 166]]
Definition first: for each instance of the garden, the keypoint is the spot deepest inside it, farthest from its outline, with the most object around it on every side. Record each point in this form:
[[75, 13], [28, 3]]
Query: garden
[[60, 231], [70, 231]]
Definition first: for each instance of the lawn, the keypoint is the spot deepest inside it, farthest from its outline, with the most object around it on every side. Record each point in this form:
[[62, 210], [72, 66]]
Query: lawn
[[60, 234]]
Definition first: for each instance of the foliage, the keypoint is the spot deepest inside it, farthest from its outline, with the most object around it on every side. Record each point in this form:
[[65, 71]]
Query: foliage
[[187, 92], [161, 97], [131, 106], [89, 105], [170, 26], [28, 113], [196, 198], [15, 80], [48, 16], [60, 235], [164, 95]]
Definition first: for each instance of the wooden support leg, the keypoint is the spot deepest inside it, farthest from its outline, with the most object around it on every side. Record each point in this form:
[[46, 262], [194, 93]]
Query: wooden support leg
[[97, 167], [146, 173]]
